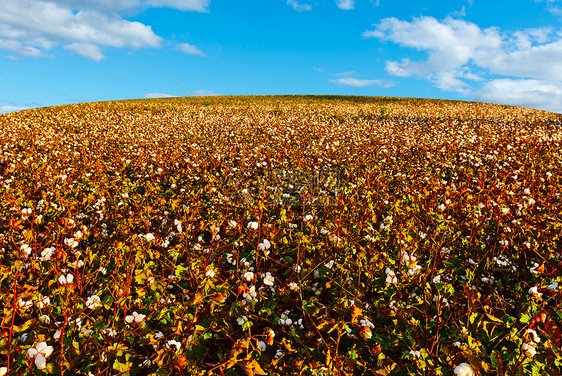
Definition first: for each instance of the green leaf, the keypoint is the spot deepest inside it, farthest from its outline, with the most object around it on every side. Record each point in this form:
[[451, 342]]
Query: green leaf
[[121, 367], [525, 318]]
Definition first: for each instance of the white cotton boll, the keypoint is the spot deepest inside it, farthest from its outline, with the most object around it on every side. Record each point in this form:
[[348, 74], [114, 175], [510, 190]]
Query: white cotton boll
[[93, 302], [57, 335], [262, 346], [149, 237], [40, 362], [47, 253], [174, 344], [66, 279], [535, 336], [45, 319], [3, 371], [414, 270], [129, 319], [138, 316], [249, 276], [391, 280], [268, 279], [210, 273], [464, 369], [26, 249], [178, 225], [390, 276], [253, 225], [534, 291], [529, 350], [264, 245]]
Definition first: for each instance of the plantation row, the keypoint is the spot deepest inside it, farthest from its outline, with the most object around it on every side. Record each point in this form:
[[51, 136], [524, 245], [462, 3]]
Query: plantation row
[[281, 235]]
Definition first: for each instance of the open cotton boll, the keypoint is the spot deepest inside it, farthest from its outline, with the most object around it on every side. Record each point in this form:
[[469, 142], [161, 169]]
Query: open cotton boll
[[464, 369], [40, 362]]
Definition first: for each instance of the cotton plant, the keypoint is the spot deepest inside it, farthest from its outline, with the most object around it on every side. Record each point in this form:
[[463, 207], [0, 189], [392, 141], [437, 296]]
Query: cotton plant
[[40, 353], [464, 369], [391, 277], [264, 246], [93, 301], [134, 317], [268, 279]]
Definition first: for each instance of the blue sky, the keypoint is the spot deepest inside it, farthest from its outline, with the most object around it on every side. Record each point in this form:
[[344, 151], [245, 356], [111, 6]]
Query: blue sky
[[68, 51]]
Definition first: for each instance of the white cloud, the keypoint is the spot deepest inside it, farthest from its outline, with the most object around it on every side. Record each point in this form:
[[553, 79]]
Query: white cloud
[[203, 93], [196, 93], [87, 50], [13, 45], [136, 5], [190, 49], [5, 109], [456, 49], [298, 6], [157, 95], [526, 93], [356, 82], [32, 27], [449, 44], [526, 59], [346, 79], [459, 13], [551, 7], [345, 4], [101, 5], [193, 5]]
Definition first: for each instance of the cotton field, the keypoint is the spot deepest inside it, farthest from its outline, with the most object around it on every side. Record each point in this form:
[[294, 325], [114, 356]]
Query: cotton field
[[281, 235]]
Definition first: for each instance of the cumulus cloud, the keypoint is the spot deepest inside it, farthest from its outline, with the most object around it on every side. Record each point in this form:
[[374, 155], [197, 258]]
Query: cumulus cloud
[[6, 108], [298, 6], [538, 94], [190, 49], [15, 46], [460, 54], [33, 27], [88, 50], [345, 4], [449, 44]]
